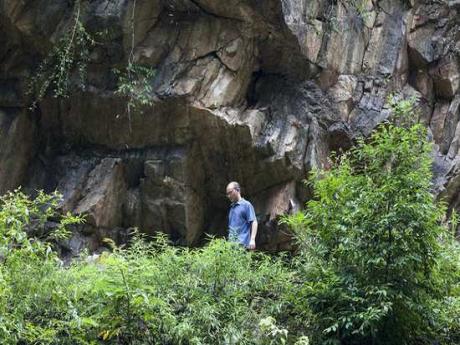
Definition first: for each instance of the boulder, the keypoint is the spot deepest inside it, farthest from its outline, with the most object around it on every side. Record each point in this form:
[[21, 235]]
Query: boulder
[[104, 189]]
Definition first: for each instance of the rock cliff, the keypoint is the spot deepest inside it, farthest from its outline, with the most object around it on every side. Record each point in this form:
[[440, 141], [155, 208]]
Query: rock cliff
[[258, 91]]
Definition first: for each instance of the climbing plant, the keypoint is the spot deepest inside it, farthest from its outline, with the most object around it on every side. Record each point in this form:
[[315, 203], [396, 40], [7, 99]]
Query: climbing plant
[[134, 83], [69, 55], [134, 80]]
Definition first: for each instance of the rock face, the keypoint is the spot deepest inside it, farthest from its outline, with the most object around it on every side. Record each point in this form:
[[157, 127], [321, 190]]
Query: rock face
[[255, 91]]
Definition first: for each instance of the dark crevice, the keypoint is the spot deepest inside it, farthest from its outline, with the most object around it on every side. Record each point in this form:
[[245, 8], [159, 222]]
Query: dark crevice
[[251, 96], [213, 54]]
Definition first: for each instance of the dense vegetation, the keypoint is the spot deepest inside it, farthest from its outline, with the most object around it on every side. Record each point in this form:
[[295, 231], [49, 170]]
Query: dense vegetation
[[377, 263], [151, 293]]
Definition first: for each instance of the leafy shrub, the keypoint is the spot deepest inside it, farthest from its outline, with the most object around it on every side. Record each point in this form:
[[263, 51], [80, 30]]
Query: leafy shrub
[[155, 293], [373, 262], [149, 293], [28, 271]]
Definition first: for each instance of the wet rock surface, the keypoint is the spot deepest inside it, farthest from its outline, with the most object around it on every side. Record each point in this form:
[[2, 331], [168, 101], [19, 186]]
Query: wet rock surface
[[255, 91]]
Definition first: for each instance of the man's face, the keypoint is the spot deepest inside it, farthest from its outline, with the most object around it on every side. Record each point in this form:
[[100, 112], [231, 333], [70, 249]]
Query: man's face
[[232, 194]]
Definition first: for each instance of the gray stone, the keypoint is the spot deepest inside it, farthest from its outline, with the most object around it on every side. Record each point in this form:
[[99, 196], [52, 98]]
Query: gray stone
[[421, 47], [344, 46]]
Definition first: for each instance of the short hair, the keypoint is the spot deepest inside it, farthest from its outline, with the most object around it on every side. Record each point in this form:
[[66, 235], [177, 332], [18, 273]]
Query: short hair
[[235, 185]]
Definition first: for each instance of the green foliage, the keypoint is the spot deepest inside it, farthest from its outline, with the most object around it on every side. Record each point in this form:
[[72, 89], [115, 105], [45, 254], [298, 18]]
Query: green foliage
[[70, 54], [375, 259], [150, 293], [134, 83], [22, 218], [404, 109], [28, 264], [162, 294]]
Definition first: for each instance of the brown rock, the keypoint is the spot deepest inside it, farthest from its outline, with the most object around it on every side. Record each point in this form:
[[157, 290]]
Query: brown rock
[[270, 204], [342, 93], [145, 12], [446, 77], [444, 122], [424, 84], [438, 120]]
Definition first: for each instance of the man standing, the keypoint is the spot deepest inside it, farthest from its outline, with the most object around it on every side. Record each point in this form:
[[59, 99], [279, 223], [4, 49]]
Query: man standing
[[242, 222]]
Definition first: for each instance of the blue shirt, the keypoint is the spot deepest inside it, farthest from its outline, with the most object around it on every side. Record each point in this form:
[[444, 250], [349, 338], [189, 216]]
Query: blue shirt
[[240, 218]]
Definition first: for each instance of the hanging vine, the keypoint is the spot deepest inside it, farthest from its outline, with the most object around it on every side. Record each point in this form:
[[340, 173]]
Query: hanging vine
[[134, 80], [70, 54]]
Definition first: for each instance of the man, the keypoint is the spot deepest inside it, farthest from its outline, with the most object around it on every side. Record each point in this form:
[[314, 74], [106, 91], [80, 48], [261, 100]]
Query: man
[[242, 222]]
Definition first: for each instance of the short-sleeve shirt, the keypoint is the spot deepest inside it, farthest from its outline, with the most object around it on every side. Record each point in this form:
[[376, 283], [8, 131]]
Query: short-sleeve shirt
[[240, 218]]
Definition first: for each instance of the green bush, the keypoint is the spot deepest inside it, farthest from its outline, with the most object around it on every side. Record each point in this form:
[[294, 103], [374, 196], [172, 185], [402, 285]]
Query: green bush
[[29, 266], [374, 262], [149, 293], [155, 293]]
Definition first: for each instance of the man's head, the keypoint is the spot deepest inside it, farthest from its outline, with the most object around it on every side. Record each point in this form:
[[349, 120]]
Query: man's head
[[233, 191]]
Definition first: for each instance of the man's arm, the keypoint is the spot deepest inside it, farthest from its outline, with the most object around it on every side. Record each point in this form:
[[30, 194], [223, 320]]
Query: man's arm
[[252, 242]]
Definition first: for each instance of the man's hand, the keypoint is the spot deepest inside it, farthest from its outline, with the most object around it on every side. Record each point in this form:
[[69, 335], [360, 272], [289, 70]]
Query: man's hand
[[252, 245]]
